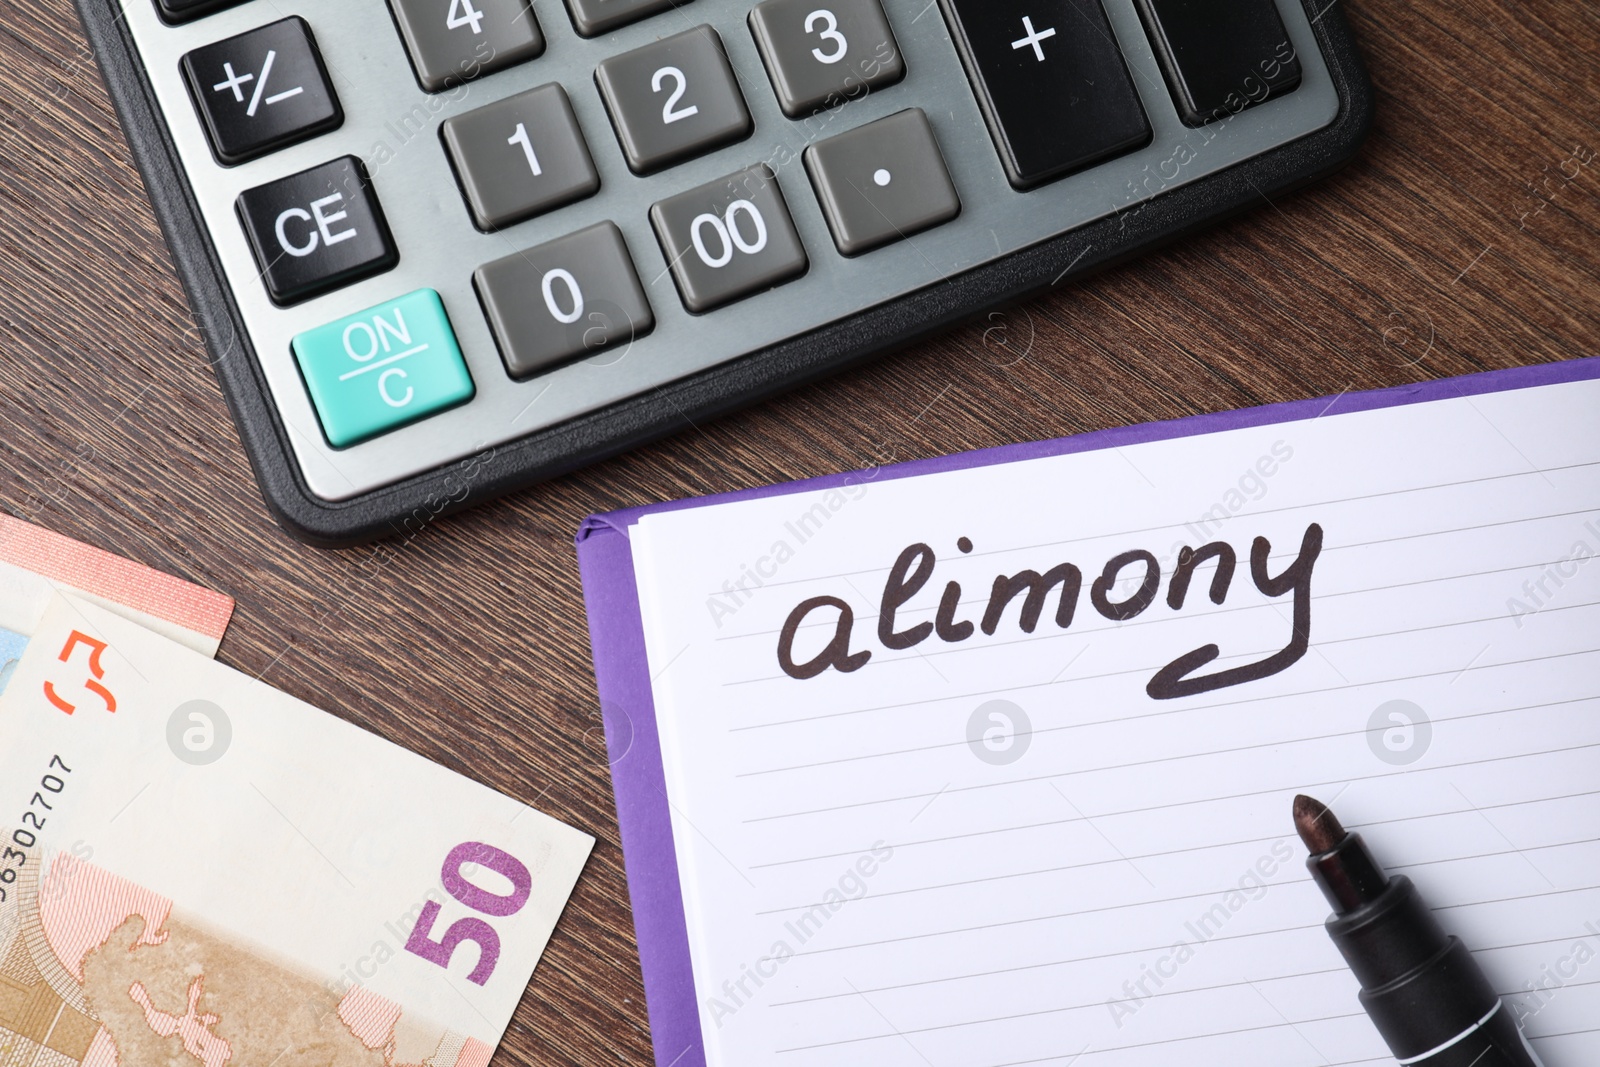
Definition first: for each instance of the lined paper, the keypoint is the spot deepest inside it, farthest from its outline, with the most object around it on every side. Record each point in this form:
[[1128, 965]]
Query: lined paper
[[1108, 878]]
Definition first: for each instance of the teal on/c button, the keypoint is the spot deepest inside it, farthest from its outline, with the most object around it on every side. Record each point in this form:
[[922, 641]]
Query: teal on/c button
[[383, 368]]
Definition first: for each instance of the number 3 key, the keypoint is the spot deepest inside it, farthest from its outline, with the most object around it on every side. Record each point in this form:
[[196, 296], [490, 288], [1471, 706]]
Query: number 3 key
[[821, 53]]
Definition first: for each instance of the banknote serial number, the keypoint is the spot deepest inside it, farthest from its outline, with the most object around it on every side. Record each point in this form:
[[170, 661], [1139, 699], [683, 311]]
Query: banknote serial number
[[472, 929], [26, 835]]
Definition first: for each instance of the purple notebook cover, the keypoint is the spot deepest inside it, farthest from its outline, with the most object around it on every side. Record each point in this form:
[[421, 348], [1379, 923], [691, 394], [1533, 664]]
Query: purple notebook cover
[[616, 633]]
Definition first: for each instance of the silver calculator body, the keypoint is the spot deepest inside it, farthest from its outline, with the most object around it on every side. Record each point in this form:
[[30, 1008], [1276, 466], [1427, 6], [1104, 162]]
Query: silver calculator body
[[583, 237]]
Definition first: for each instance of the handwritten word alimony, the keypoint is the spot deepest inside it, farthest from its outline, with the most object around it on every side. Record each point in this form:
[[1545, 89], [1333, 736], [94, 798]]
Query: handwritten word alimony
[[1180, 678]]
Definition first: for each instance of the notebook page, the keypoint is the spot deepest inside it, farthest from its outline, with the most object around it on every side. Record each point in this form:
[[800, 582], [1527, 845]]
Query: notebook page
[[964, 848]]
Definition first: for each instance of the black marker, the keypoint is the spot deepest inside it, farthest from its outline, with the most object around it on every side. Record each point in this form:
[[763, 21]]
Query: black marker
[[1422, 989]]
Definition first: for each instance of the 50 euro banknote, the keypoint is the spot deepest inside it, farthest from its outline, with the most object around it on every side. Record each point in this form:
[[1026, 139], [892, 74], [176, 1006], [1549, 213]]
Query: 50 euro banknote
[[35, 564], [199, 869]]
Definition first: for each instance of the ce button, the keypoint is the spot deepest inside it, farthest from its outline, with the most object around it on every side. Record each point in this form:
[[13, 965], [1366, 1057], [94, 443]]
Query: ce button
[[317, 230]]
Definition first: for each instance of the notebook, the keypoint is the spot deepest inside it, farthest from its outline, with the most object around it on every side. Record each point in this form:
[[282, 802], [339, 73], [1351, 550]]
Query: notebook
[[988, 760]]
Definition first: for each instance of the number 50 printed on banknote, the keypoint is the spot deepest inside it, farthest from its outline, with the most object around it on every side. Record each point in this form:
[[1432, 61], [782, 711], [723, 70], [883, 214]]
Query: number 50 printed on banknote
[[196, 868]]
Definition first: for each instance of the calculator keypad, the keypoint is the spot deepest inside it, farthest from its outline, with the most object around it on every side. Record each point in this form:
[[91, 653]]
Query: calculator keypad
[[729, 238], [575, 296], [1053, 83], [520, 157], [580, 270], [455, 41], [261, 91], [594, 17], [882, 182], [820, 53], [316, 230], [673, 99]]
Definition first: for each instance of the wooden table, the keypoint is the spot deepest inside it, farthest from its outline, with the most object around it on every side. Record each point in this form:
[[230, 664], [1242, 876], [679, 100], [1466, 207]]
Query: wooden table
[[1463, 239]]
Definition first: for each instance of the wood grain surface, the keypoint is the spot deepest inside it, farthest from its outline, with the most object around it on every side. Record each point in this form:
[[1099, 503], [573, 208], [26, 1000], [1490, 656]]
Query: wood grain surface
[[1464, 238]]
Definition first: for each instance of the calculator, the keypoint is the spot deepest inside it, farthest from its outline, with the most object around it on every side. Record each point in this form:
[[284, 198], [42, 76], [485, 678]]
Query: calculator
[[443, 249]]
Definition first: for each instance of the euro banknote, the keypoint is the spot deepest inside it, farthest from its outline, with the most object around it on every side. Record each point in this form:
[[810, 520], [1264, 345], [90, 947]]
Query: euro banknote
[[198, 869], [35, 564]]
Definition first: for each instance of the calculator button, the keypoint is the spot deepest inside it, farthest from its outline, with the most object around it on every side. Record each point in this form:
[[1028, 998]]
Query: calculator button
[[184, 10], [593, 17], [316, 230], [820, 53], [1052, 83], [455, 41], [520, 156], [882, 182], [673, 99], [729, 238], [383, 368], [261, 91], [571, 297], [1221, 58]]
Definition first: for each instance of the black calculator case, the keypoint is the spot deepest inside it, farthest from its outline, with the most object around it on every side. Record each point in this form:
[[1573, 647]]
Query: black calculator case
[[405, 508]]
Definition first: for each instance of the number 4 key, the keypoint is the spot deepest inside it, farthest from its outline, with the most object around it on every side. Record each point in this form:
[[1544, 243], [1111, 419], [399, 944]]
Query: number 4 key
[[466, 39], [464, 13]]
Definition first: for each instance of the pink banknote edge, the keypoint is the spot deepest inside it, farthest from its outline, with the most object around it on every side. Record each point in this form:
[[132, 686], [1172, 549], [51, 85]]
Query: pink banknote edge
[[61, 559]]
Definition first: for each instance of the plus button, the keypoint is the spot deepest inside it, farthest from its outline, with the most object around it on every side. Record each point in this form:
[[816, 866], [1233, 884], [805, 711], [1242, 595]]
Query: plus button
[[1033, 38]]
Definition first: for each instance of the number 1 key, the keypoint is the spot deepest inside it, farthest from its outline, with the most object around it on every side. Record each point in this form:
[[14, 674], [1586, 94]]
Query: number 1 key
[[520, 157]]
